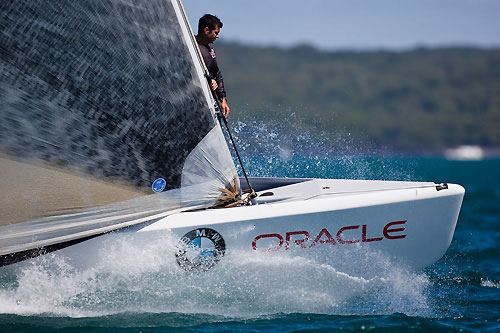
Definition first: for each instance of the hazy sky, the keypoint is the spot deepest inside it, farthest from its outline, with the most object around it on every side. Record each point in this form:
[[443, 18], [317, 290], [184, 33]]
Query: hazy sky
[[355, 24]]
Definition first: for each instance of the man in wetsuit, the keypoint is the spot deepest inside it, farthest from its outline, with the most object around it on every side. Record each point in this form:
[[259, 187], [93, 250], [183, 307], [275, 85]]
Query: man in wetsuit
[[208, 31]]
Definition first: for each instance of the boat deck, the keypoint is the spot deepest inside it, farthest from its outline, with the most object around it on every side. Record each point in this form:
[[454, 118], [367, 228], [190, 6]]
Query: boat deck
[[271, 190]]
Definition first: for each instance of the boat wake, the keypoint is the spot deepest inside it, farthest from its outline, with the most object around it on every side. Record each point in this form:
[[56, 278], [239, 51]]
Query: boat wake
[[131, 276]]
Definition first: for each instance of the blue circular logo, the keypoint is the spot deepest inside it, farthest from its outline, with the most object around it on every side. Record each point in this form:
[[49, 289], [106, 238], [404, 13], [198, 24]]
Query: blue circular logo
[[159, 185]]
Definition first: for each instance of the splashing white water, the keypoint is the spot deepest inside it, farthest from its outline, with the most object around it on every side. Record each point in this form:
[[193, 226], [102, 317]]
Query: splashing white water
[[292, 148], [490, 284], [133, 275]]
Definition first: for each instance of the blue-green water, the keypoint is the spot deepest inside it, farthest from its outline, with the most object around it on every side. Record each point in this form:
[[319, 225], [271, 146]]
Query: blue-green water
[[459, 292]]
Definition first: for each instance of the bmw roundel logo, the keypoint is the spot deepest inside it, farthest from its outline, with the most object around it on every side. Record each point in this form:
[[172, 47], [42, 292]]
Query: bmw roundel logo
[[159, 185], [200, 249]]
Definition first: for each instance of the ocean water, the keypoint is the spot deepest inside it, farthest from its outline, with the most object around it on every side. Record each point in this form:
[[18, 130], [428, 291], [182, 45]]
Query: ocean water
[[130, 292]]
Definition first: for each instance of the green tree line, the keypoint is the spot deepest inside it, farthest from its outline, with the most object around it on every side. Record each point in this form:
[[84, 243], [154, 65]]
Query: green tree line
[[412, 100]]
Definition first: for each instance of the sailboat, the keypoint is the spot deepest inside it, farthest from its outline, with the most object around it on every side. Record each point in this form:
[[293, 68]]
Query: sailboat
[[108, 125]]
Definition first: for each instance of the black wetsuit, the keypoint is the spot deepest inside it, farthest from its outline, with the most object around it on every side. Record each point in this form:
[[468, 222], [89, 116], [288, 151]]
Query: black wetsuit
[[210, 59]]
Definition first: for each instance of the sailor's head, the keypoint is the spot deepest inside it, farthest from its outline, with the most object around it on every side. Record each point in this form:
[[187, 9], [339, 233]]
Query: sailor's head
[[209, 27]]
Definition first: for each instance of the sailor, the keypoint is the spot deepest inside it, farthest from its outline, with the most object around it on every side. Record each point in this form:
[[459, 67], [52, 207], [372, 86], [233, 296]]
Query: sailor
[[208, 31]]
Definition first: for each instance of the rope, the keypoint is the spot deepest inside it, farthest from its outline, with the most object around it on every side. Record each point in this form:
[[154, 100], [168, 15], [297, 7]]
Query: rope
[[249, 196]]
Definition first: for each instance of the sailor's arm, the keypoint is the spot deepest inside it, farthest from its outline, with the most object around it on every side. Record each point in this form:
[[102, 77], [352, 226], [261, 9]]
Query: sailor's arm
[[223, 100], [213, 85], [225, 107], [221, 94]]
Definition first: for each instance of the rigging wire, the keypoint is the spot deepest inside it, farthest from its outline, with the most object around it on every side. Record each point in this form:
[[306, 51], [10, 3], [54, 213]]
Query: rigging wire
[[221, 116]]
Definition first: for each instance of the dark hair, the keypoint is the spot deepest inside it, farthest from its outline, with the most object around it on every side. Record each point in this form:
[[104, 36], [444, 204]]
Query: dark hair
[[209, 21]]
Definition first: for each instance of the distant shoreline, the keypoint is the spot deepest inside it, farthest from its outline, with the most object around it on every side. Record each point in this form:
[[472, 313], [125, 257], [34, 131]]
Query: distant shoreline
[[424, 100]]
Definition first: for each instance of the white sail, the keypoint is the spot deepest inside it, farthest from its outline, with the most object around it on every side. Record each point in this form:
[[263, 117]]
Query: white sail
[[98, 99]]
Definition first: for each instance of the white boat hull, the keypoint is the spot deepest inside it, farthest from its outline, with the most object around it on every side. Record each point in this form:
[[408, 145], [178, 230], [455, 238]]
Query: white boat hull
[[411, 223]]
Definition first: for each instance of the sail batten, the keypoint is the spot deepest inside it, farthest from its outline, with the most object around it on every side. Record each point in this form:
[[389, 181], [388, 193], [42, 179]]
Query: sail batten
[[98, 99]]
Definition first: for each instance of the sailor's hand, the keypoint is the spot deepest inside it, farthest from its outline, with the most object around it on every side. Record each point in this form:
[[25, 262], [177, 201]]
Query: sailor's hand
[[225, 107], [213, 85]]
